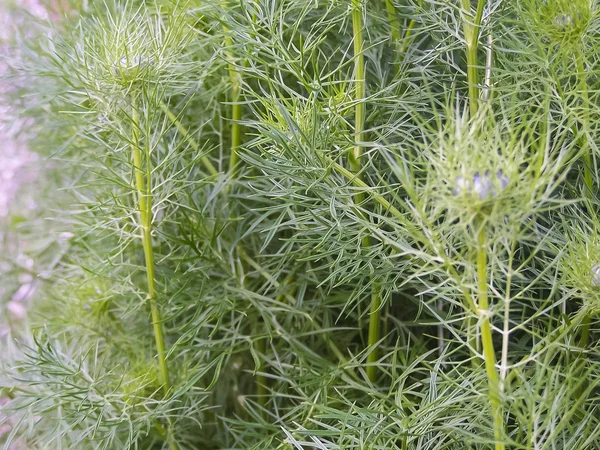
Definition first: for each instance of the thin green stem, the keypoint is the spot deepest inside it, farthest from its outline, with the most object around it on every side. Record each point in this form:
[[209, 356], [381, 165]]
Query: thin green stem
[[506, 325], [406, 39], [359, 88], [471, 28], [394, 23], [262, 391], [374, 333], [144, 190], [489, 60], [143, 183], [585, 330], [407, 36], [356, 166], [486, 339], [235, 78]]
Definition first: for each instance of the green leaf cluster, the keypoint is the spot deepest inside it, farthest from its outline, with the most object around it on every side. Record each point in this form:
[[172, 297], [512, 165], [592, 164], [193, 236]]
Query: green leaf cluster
[[228, 239]]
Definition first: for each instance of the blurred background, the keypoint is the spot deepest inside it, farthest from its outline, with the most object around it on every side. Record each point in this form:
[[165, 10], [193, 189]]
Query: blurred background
[[22, 182]]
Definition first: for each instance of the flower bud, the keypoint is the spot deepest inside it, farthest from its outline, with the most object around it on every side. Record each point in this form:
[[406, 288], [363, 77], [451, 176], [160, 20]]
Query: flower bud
[[482, 186], [129, 68], [564, 21]]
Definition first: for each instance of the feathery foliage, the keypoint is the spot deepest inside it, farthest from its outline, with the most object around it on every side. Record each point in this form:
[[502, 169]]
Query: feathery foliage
[[309, 224]]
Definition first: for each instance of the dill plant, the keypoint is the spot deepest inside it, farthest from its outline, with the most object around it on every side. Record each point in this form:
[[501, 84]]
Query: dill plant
[[310, 224]]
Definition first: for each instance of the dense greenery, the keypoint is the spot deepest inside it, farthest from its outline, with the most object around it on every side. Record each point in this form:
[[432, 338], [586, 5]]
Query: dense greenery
[[313, 224]]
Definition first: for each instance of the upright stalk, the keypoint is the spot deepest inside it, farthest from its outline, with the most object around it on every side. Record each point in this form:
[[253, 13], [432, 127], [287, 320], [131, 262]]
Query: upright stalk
[[356, 167], [394, 23], [471, 28], [406, 39], [143, 183], [359, 89], [235, 78], [486, 338]]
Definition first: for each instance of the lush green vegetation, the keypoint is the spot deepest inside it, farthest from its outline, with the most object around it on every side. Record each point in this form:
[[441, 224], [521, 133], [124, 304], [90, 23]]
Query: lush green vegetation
[[311, 224]]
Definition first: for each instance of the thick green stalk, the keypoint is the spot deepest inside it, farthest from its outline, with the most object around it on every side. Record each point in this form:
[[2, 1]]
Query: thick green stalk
[[486, 339], [356, 167], [471, 28], [144, 189], [143, 183]]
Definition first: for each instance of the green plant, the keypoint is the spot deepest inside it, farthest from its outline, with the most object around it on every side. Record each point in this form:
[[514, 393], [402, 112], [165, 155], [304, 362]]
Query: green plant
[[243, 176]]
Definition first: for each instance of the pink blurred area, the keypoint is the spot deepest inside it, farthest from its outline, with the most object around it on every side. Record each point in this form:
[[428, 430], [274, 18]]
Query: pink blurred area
[[16, 161], [18, 170]]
